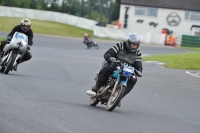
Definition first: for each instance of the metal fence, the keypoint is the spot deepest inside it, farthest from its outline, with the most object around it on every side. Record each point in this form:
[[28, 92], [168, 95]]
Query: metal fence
[[190, 41]]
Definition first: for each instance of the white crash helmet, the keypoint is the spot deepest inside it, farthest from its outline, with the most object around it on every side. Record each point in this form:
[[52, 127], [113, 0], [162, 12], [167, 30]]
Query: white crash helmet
[[25, 24]]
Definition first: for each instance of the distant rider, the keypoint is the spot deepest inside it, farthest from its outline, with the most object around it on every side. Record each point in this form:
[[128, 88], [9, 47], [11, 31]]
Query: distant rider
[[24, 27], [87, 39], [127, 52]]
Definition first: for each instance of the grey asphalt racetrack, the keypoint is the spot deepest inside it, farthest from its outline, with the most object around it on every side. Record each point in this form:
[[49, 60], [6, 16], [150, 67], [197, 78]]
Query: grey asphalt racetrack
[[48, 93]]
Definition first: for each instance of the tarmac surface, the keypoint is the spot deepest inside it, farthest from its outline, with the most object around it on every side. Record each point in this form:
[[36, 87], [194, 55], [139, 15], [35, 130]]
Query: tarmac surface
[[48, 93]]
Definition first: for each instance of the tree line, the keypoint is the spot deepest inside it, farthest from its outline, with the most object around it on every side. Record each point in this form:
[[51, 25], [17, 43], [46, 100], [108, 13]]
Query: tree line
[[98, 10]]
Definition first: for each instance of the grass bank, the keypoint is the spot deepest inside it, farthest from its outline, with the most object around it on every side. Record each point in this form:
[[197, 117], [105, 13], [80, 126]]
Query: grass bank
[[2, 38], [179, 61], [45, 27]]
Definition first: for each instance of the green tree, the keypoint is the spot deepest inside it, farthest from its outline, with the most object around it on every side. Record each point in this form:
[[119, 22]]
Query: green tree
[[71, 6], [116, 10], [97, 9], [93, 9]]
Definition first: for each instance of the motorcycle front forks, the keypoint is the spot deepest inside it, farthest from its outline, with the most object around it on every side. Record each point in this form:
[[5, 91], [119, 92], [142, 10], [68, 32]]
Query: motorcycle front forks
[[114, 88]]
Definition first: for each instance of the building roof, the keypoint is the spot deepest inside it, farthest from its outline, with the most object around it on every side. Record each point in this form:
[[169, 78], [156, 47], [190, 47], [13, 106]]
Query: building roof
[[192, 5]]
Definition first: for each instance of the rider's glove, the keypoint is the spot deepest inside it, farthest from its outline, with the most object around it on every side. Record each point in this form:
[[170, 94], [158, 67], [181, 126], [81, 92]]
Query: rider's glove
[[112, 59], [28, 47], [138, 73]]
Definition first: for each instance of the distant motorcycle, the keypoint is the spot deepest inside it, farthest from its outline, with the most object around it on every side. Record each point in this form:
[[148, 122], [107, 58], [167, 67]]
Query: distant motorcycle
[[111, 93], [91, 43], [17, 46]]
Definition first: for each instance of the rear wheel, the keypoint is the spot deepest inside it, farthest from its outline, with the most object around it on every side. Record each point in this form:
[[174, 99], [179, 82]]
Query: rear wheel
[[114, 100], [9, 63], [94, 101]]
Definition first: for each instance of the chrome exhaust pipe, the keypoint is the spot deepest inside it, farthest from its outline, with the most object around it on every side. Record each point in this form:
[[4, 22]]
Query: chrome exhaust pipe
[[91, 93]]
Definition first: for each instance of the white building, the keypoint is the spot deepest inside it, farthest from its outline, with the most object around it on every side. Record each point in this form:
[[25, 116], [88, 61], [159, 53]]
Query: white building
[[154, 15]]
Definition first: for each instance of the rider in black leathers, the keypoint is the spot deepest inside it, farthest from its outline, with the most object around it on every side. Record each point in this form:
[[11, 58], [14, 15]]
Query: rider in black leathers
[[87, 39], [24, 27], [127, 52]]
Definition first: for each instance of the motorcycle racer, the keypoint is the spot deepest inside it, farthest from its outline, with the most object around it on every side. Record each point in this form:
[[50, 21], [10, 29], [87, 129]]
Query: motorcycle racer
[[24, 27], [127, 52]]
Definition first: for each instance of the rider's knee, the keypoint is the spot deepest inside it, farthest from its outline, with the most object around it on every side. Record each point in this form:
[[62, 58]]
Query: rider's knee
[[132, 80], [2, 44]]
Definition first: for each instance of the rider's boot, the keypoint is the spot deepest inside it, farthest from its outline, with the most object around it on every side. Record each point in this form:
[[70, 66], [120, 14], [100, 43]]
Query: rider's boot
[[1, 46], [102, 78], [1, 51], [96, 88]]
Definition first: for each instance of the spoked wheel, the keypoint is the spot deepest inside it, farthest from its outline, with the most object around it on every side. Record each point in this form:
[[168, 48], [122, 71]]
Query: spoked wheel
[[10, 63], [114, 100], [94, 101]]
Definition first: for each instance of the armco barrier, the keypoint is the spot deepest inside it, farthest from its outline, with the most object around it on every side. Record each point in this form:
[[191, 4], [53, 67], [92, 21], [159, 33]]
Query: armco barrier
[[47, 16], [190, 41], [119, 34]]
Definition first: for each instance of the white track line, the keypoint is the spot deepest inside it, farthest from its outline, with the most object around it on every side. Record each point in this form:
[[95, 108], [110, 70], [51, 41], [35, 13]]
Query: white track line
[[192, 74]]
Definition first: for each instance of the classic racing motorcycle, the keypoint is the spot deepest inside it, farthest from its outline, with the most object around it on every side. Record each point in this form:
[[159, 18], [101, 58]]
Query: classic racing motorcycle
[[90, 42], [111, 93], [17, 46]]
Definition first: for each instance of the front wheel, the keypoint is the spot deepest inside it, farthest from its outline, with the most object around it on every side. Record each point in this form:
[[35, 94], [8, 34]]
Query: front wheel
[[88, 45], [9, 63], [114, 100], [97, 46], [2, 69]]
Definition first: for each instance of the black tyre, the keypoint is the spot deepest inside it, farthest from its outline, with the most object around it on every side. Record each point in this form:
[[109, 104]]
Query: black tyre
[[97, 46], [2, 69], [113, 101], [88, 45], [10, 63], [94, 101]]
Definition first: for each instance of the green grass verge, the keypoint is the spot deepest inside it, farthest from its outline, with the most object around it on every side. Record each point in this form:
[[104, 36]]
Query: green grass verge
[[47, 28], [2, 38], [178, 61]]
